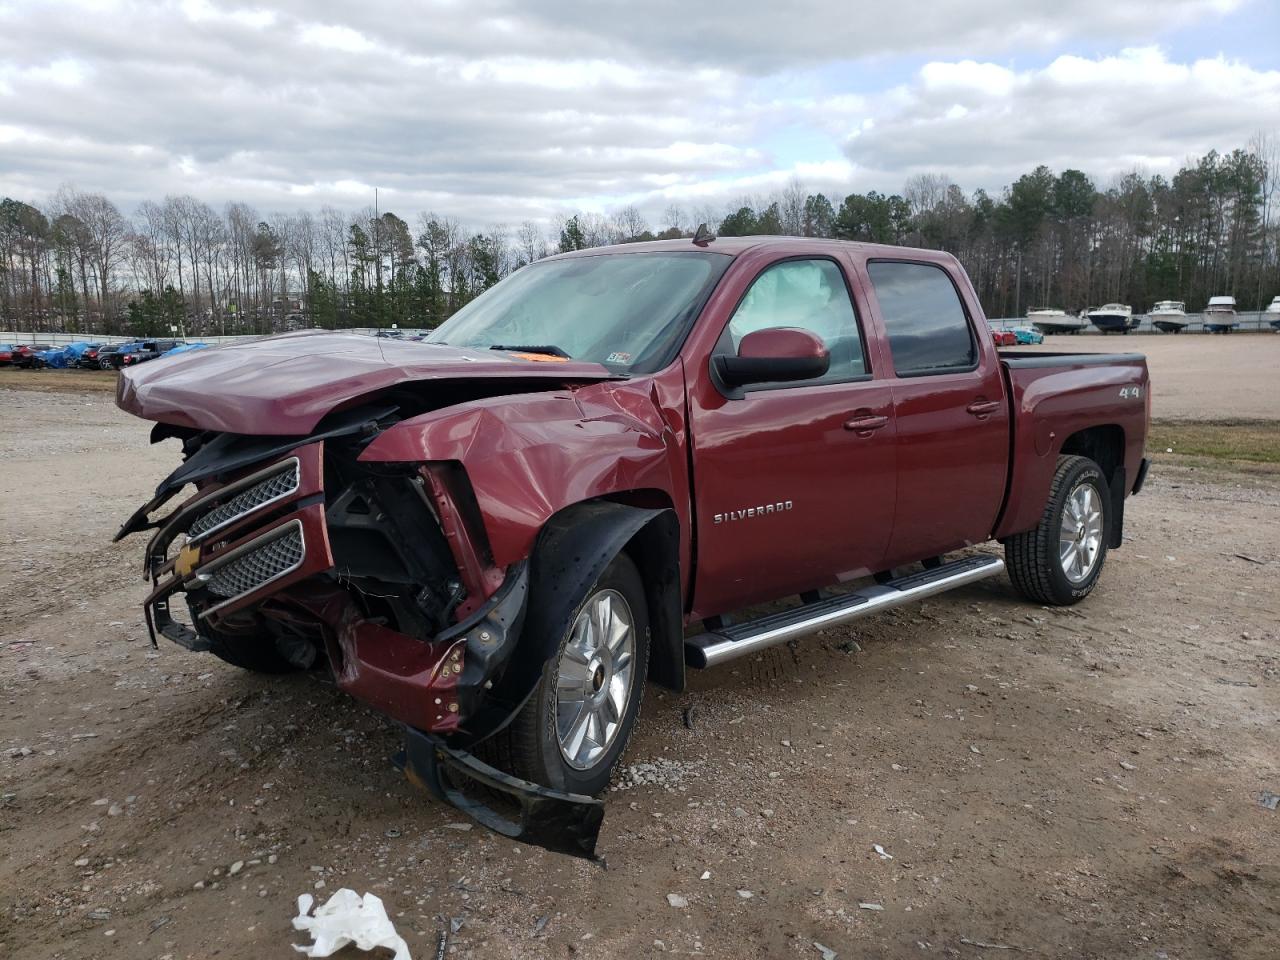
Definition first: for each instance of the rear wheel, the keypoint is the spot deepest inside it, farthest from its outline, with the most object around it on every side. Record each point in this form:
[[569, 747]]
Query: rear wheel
[[576, 725], [1059, 562]]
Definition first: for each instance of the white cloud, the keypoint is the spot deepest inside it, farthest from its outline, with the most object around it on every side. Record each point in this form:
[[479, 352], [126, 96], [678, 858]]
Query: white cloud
[[984, 124], [332, 37], [501, 110]]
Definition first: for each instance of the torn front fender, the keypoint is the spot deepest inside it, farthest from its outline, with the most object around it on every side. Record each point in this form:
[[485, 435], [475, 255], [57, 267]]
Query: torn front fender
[[529, 457]]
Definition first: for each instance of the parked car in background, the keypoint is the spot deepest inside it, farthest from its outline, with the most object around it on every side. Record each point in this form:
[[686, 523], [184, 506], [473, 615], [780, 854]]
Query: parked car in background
[[30, 356], [115, 355], [1027, 335], [86, 358], [6, 353], [106, 355], [142, 351], [1004, 338]]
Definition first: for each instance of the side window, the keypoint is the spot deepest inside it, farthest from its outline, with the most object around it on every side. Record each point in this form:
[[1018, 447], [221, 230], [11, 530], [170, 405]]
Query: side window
[[810, 294], [926, 323]]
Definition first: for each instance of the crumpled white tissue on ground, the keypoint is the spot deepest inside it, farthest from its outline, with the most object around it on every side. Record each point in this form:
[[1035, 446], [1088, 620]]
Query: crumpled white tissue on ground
[[347, 918]]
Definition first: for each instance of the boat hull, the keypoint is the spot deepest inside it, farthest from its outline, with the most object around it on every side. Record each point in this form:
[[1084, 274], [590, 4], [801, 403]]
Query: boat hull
[[1049, 326], [1166, 325], [1112, 322]]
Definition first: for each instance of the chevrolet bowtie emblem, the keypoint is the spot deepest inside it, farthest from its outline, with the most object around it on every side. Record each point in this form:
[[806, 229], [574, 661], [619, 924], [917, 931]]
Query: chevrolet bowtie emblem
[[186, 560]]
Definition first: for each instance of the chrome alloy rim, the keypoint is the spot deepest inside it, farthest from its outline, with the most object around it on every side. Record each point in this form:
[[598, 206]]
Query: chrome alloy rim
[[1080, 539], [593, 679]]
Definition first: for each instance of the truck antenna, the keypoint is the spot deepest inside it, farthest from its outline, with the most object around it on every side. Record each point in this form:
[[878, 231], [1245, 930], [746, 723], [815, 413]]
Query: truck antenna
[[702, 236]]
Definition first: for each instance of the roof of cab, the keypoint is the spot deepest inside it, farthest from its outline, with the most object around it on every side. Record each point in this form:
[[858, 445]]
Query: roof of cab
[[736, 246]]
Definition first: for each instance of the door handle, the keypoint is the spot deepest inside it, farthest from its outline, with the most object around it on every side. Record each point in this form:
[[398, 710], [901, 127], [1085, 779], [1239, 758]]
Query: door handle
[[983, 408], [865, 424]]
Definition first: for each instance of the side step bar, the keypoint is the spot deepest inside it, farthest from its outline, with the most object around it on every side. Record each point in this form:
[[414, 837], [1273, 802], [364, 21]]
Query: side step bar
[[743, 639]]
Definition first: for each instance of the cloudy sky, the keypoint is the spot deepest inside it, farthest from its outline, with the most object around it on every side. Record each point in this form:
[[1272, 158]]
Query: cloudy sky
[[502, 110]]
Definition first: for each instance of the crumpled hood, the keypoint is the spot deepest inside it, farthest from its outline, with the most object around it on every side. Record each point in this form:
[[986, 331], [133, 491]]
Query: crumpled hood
[[284, 385]]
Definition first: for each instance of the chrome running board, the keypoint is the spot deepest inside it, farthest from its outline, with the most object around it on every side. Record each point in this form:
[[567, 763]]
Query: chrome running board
[[740, 640]]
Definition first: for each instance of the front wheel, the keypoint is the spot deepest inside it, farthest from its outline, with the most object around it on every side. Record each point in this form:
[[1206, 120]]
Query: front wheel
[[577, 723], [1059, 562]]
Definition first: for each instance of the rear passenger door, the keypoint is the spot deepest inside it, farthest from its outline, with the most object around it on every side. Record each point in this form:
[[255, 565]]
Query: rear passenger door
[[949, 407]]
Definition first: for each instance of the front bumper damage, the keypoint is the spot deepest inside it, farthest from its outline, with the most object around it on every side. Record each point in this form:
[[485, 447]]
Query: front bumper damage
[[562, 822], [258, 547]]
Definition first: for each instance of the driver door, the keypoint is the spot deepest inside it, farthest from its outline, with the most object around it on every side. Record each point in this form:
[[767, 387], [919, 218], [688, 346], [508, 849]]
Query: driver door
[[794, 483]]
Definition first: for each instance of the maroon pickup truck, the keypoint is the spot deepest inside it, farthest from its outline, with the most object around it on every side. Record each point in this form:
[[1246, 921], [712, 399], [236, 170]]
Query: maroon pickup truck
[[585, 477]]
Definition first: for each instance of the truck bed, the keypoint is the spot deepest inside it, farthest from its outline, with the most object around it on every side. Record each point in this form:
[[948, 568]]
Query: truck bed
[[1086, 403], [1033, 359]]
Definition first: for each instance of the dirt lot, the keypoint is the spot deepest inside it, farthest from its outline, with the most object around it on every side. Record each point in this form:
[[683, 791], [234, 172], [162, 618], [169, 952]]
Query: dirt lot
[[1060, 783]]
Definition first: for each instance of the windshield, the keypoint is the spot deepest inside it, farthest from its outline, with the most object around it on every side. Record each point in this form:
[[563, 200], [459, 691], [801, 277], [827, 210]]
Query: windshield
[[629, 311]]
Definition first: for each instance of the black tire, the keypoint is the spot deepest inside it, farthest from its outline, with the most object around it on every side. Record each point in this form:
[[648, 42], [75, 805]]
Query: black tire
[[1034, 559], [534, 740]]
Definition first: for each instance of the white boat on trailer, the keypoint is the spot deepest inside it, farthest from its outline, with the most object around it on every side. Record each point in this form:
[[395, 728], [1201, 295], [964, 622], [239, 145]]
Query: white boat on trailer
[[1220, 315], [1053, 320], [1272, 313], [1113, 318], [1169, 316]]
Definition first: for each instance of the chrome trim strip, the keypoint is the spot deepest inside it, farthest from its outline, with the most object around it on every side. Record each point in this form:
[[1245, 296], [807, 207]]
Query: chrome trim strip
[[164, 537], [202, 574], [266, 473], [709, 649]]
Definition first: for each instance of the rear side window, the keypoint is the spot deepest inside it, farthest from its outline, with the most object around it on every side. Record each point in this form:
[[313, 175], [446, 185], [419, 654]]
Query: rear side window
[[810, 294], [926, 323]]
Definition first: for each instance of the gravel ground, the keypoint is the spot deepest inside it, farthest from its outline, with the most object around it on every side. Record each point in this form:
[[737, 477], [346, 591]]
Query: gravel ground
[[1062, 783]]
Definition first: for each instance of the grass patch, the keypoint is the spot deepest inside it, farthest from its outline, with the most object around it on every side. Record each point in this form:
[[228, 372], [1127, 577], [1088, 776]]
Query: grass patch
[[58, 381], [1257, 441]]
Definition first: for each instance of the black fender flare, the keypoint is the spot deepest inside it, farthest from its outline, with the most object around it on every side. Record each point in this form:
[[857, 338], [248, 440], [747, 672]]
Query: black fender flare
[[572, 551]]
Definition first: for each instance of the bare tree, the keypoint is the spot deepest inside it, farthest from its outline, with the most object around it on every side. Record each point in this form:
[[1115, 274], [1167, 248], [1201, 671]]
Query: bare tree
[[925, 191], [151, 243], [1266, 149], [242, 227], [106, 232], [531, 243], [791, 205], [673, 219], [629, 223], [173, 214]]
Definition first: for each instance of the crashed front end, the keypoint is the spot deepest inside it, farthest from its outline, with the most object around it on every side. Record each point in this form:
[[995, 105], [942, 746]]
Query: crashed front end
[[380, 569]]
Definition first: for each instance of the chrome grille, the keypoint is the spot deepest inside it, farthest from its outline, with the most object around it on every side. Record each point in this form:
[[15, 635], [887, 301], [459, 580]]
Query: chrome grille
[[258, 565], [279, 484]]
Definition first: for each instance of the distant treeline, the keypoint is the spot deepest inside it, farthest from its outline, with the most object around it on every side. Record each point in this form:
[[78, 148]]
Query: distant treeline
[[1046, 240]]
